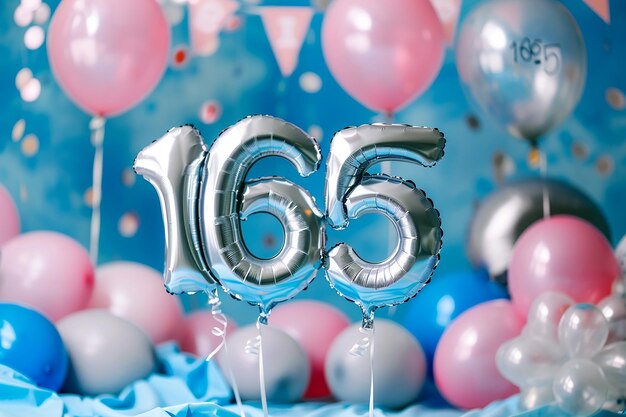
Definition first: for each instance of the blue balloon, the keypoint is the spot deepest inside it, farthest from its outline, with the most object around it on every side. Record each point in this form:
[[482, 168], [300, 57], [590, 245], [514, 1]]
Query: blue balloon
[[444, 299], [31, 345]]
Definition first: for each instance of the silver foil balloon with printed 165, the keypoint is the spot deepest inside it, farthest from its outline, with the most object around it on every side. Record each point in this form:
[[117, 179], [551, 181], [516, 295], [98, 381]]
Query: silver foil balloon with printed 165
[[524, 62], [226, 199], [172, 164], [351, 192]]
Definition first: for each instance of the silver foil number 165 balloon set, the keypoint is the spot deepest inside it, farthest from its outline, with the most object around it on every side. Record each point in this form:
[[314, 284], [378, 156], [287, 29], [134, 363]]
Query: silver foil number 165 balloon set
[[205, 195]]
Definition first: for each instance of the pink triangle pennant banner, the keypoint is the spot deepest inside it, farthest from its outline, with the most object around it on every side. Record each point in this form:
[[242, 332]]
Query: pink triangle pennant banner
[[601, 8], [286, 28], [448, 12], [206, 20]]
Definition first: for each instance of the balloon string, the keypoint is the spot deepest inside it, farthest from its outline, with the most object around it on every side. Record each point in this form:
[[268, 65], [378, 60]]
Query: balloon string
[[220, 331], [255, 347], [366, 344], [96, 125], [543, 170]]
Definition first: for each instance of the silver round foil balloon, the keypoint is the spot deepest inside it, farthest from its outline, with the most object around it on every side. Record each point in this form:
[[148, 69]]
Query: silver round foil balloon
[[505, 214], [524, 62], [172, 164], [350, 193], [224, 195], [355, 149]]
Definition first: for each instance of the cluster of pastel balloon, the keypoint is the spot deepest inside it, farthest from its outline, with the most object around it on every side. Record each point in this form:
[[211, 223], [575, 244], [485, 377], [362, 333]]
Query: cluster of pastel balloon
[[567, 354]]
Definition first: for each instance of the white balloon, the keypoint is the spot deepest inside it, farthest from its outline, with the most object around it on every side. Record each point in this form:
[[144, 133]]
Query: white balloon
[[614, 310], [532, 397], [580, 387], [583, 330], [529, 360], [612, 360], [545, 314]]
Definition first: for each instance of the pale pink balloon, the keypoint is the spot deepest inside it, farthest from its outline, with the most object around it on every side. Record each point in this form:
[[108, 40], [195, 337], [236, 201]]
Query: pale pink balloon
[[383, 53], [48, 271], [9, 217], [136, 293], [197, 333], [108, 55], [561, 254], [314, 325], [465, 360]]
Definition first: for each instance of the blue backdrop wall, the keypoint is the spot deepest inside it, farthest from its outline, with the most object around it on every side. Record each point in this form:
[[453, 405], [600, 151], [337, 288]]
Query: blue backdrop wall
[[47, 168]]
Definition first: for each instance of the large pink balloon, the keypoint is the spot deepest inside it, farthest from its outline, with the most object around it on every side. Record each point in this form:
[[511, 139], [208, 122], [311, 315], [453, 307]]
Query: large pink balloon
[[561, 254], [197, 333], [314, 325], [136, 293], [9, 217], [465, 360], [383, 53], [107, 55], [47, 271]]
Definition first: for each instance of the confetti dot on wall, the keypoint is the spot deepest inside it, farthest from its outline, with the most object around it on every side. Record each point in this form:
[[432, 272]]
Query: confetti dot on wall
[[310, 82], [30, 91], [22, 16], [472, 122], [580, 150], [128, 177], [174, 13], [34, 37], [42, 14], [605, 165], [503, 166], [210, 111], [18, 130], [88, 197], [23, 193], [180, 56], [232, 24], [616, 99], [23, 77], [30, 145], [128, 224], [317, 132], [31, 5]]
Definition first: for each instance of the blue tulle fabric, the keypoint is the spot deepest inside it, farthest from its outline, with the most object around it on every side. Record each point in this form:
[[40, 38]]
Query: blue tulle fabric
[[189, 387]]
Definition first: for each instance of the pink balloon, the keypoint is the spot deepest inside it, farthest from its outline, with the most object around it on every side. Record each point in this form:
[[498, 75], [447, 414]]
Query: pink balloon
[[383, 53], [314, 325], [197, 333], [108, 55], [465, 360], [561, 254], [10, 223], [136, 293], [48, 271]]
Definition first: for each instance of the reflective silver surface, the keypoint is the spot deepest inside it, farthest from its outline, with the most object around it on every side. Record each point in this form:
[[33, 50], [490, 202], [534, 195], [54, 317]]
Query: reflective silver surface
[[262, 282], [172, 165], [524, 62], [355, 149]]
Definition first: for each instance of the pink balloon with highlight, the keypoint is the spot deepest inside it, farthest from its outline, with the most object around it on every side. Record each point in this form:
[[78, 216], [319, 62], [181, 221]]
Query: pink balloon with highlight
[[465, 360], [135, 292], [561, 254], [383, 53], [9, 217], [47, 271], [197, 333], [315, 326], [108, 55]]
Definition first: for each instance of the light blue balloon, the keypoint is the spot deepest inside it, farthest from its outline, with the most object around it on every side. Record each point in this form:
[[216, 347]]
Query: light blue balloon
[[443, 300], [31, 345]]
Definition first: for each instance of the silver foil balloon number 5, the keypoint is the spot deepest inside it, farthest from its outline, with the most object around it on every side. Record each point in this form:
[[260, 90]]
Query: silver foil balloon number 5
[[351, 192]]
